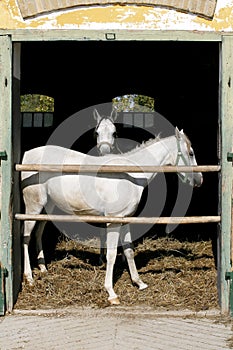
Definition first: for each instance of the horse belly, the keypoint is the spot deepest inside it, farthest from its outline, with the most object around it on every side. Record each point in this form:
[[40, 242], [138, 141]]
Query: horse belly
[[66, 193], [119, 198], [89, 195]]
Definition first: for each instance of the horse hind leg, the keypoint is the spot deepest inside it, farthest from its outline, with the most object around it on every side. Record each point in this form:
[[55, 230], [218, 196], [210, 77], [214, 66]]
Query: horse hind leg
[[39, 248], [102, 257], [127, 244], [35, 198], [38, 236]]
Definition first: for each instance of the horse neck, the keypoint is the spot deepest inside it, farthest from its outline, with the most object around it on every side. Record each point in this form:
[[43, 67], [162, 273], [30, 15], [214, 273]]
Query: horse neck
[[162, 152], [158, 153]]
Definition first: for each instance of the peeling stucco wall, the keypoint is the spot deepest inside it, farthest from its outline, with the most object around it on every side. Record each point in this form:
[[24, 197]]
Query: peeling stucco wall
[[112, 17], [30, 8]]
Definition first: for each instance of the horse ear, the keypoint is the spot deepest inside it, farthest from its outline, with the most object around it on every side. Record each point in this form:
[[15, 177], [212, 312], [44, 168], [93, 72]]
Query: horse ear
[[96, 115], [113, 115], [178, 133]]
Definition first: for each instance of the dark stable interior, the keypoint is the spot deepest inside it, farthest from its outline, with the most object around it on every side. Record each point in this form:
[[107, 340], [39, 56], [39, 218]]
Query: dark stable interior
[[182, 77]]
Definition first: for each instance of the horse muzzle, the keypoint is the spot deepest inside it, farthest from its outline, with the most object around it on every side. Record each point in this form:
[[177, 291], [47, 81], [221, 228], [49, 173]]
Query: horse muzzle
[[104, 148], [192, 179], [198, 179]]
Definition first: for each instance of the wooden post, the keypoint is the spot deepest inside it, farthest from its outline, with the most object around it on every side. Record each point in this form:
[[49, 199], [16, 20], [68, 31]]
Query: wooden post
[[16, 188], [232, 223], [6, 165], [226, 112], [229, 275]]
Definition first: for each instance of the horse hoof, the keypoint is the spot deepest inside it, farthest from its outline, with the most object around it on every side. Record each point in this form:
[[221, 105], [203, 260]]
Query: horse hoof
[[42, 268], [29, 281], [143, 286], [114, 301]]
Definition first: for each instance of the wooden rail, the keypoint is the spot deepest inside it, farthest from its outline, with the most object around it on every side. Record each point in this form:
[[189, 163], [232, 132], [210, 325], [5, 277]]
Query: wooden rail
[[83, 168], [119, 220]]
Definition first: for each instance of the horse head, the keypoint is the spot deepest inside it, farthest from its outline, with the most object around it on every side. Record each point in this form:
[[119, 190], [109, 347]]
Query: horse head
[[105, 131], [186, 157]]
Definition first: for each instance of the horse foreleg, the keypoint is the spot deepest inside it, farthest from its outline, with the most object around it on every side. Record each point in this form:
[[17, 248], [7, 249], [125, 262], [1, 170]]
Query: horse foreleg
[[127, 244], [113, 232]]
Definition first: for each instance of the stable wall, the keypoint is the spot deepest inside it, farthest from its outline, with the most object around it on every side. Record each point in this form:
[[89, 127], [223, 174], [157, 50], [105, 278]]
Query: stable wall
[[113, 17], [115, 23]]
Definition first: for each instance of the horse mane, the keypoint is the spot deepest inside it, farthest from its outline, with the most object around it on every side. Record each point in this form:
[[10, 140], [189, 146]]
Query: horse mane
[[145, 144], [188, 142], [151, 141]]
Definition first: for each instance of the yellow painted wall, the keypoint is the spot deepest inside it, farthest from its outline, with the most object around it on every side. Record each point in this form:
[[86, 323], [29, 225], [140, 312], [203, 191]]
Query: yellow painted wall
[[119, 17]]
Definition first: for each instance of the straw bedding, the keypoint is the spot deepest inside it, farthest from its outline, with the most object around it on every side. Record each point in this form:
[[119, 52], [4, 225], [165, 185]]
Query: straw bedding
[[179, 274]]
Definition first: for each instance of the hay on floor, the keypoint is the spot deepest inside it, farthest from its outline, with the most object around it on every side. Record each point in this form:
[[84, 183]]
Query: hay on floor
[[180, 275]]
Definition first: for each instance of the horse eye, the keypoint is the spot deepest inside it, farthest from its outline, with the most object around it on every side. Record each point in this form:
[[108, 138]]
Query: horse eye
[[191, 154]]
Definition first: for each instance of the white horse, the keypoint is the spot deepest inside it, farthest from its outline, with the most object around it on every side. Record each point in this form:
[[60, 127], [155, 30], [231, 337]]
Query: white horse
[[115, 194]]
